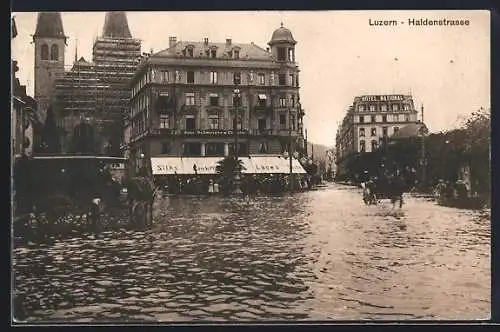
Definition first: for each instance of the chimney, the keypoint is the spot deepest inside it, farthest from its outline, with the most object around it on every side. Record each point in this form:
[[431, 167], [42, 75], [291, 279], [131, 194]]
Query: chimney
[[205, 41], [172, 41], [228, 41]]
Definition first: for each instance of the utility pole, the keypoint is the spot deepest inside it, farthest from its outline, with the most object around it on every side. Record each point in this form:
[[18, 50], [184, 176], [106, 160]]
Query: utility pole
[[290, 156], [307, 154], [236, 179]]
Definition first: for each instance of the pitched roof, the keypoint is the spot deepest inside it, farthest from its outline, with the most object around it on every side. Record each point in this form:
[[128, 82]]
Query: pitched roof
[[116, 25], [247, 51], [411, 130], [49, 24], [81, 63]]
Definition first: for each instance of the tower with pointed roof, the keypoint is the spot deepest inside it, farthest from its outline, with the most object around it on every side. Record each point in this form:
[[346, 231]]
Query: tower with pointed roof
[[50, 46], [95, 93], [116, 25]]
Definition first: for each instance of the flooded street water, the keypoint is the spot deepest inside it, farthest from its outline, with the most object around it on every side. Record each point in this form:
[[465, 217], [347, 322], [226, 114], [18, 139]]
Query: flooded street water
[[319, 255]]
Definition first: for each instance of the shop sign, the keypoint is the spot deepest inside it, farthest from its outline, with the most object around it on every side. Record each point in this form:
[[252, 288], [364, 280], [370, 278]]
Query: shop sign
[[212, 132], [161, 168]]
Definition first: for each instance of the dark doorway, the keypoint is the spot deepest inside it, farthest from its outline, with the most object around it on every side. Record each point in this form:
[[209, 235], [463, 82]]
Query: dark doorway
[[83, 139]]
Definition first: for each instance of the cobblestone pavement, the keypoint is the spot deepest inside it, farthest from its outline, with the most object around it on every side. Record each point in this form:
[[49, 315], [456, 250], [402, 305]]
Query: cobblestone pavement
[[320, 255]]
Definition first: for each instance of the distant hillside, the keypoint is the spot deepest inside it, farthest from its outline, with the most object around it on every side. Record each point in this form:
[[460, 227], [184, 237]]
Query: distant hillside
[[319, 151]]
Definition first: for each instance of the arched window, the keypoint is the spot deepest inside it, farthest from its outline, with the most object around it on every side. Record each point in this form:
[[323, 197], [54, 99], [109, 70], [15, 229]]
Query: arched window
[[54, 52], [45, 52]]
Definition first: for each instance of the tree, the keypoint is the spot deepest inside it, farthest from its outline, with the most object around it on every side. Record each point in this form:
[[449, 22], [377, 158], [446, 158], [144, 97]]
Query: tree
[[477, 129], [50, 133], [226, 168]]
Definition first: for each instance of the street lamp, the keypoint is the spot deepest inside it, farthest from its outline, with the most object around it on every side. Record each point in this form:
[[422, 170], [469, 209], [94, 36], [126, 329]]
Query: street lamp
[[236, 178], [290, 154]]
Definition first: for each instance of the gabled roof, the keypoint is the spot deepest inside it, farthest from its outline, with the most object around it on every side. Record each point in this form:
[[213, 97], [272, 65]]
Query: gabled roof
[[49, 24], [247, 51], [410, 130], [81, 63]]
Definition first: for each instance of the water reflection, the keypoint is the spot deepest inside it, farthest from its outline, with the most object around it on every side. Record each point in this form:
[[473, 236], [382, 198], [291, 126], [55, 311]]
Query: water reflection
[[315, 255], [205, 258]]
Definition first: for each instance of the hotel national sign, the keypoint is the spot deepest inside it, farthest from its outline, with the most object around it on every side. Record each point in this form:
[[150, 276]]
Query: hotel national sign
[[383, 98]]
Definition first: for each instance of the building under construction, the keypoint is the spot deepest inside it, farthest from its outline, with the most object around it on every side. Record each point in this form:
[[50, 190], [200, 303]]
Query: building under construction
[[89, 102]]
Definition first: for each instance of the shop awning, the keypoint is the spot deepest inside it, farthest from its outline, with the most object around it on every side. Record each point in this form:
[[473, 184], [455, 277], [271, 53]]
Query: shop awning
[[208, 165], [204, 165], [266, 165], [165, 166]]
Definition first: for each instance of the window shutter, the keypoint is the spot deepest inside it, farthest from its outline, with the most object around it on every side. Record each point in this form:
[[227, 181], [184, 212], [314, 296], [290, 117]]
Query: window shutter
[[182, 123], [203, 123], [227, 124]]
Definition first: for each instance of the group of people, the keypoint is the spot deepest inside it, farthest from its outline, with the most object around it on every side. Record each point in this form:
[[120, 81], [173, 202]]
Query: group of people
[[457, 190], [387, 183], [249, 184]]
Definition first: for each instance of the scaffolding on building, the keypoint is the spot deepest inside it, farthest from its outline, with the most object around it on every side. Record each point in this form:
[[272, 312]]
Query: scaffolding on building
[[97, 92]]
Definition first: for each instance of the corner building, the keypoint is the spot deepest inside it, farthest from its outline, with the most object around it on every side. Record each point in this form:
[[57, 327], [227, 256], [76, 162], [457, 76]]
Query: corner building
[[368, 122], [183, 100]]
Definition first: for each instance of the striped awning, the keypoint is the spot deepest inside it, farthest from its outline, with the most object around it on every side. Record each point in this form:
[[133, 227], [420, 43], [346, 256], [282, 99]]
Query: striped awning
[[208, 165]]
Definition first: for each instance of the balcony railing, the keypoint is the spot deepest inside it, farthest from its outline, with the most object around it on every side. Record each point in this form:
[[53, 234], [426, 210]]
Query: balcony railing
[[166, 110], [163, 131], [240, 108], [263, 132], [262, 108], [190, 108]]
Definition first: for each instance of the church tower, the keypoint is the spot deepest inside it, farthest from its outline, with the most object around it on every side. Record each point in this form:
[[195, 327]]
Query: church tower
[[50, 47]]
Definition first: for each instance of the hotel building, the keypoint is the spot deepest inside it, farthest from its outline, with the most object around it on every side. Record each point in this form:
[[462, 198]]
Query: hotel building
[[368, 122], [187, 99]]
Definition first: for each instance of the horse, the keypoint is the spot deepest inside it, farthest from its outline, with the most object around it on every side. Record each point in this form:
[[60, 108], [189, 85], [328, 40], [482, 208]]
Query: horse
[[141, 193], [391, 188]]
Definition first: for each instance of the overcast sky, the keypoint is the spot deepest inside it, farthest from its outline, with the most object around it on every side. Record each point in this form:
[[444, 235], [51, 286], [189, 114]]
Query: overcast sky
[[445, 68]]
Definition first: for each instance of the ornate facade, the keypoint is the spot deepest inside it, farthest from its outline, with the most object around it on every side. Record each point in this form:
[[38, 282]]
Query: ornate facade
[[185, 98], [368, 122]]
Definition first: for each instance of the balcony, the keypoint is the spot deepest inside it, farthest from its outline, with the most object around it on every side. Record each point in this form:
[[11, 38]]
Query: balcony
[[190, 109], [166, 110], [163, 131], [285, 132], [241, 109], [263, 132], [259, 108]]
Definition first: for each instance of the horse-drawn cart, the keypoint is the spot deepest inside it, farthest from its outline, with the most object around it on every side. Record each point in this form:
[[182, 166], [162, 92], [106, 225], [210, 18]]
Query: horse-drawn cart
[[53, 187], [391, 188]]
